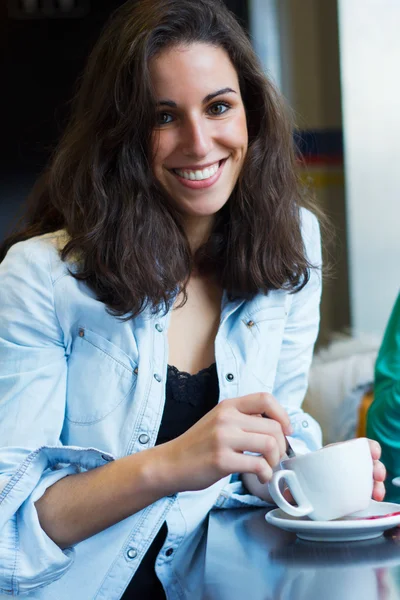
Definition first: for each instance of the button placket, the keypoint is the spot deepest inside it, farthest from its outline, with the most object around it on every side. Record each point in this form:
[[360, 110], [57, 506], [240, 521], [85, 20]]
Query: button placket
[[148, 423]]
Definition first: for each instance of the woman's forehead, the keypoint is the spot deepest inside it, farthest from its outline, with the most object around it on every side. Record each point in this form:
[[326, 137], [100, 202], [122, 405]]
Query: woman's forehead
[[197, 69]]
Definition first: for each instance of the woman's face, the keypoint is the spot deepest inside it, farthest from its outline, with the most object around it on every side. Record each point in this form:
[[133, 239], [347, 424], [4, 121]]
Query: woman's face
[[201, 138]]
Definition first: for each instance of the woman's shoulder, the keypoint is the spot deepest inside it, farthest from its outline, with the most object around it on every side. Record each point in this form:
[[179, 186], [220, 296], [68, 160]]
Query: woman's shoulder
[[42, 244], [309, 223], [37, 255]]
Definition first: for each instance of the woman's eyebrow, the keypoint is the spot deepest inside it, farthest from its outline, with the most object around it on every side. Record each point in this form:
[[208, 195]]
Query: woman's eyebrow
[[209, 97], [226, 90], [170, 103]]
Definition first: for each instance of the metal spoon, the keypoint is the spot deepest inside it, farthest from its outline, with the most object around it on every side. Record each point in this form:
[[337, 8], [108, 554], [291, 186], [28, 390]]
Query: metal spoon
[[289, 450]]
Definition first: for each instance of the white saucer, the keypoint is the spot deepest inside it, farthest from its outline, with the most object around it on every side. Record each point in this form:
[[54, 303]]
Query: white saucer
[[341, 530]]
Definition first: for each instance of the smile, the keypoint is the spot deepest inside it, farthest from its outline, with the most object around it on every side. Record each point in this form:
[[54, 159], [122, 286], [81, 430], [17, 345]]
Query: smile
[[198, 175], [200, 178]]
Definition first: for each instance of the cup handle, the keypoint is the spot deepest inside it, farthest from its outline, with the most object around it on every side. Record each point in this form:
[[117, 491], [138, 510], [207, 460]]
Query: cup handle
[[304, 507]]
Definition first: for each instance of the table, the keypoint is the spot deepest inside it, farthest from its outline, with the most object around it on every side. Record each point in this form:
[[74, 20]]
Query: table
[[238, 556]]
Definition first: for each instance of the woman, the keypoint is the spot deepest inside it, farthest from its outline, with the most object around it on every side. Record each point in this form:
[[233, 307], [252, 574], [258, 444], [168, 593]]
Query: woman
[[163, 296], [383, 415]]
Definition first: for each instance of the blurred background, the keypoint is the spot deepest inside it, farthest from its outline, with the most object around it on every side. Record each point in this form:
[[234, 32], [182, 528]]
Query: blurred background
[[336, 63]]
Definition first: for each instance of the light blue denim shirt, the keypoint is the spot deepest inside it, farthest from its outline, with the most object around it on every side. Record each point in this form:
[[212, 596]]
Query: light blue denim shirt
[[79, 388]]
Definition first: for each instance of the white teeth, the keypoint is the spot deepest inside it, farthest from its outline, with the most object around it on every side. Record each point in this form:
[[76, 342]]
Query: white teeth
[[198, 175]]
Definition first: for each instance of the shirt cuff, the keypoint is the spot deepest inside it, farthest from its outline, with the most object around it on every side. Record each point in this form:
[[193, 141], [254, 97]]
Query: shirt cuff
[[235, 495], [29, 559]]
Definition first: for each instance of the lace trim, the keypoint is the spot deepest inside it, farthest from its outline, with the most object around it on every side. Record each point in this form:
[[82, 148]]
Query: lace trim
[[174, 371], [192, 388]]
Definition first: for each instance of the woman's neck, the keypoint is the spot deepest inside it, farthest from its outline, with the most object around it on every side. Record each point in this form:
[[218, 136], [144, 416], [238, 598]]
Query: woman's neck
[[198, 230]]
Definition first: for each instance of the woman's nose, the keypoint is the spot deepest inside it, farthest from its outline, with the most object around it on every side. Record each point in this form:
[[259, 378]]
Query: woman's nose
[[197, 139]]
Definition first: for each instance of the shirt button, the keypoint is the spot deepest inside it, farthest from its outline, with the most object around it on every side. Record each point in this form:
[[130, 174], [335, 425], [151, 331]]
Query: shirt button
[[132, 553], [159, 327], [305, 424], [157, 377], [250, 323], [169, 552], [136, 370], [81, 332], [229, 377], [144, 438]]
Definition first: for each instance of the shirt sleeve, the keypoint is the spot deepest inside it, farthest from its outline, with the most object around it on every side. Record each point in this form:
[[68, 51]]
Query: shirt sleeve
[[300, 333], [301, 330], [383, 417], [33, 369]]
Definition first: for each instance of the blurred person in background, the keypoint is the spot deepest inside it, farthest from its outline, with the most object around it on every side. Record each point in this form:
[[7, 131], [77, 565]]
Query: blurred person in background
[[383, 417]]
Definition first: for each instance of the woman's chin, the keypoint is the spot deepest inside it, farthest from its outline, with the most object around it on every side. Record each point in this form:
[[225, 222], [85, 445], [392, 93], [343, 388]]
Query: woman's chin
[[199, 209]]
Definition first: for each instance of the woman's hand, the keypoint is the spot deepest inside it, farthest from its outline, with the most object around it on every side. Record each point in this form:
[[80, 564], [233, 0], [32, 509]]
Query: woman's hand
[[214, 447], [378, 492]]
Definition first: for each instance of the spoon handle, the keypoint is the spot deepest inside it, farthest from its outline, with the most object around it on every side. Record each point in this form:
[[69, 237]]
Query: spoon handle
[[289, 450]]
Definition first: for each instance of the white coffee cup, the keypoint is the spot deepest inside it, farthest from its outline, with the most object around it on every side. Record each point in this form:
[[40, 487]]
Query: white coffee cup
[[327, 484]]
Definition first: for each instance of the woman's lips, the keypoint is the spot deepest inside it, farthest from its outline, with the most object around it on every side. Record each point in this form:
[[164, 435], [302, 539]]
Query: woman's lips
[[202, 183]]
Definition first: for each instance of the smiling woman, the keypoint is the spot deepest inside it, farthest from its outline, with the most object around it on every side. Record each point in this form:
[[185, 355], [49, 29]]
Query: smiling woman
[[138, 103], [162, 297]]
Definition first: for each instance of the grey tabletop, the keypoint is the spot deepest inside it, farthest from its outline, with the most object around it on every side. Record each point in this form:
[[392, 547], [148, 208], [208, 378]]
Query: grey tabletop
[[237, 555]]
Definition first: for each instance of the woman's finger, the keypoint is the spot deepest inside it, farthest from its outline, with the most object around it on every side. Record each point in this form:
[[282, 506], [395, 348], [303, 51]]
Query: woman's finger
[[375, 448], [378, 492], [256, 424], [261, 444], [248, 463], [265, 404], [379, 471]]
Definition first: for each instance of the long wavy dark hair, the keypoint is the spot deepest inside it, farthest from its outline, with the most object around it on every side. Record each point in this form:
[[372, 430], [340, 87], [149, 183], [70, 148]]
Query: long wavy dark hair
[[100, 188]]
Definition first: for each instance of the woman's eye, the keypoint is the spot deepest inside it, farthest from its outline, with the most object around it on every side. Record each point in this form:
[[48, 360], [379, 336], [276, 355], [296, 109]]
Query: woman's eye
[[219, 109], [164, 118]]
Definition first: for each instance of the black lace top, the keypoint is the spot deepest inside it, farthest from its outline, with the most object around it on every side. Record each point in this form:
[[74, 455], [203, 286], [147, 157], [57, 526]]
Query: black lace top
[[188, 398]]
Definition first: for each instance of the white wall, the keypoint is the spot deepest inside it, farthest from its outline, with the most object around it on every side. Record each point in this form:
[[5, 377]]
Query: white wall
[[370, 71]]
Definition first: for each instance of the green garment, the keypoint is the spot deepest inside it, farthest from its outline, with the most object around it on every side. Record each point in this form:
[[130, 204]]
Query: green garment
[[383, 418]]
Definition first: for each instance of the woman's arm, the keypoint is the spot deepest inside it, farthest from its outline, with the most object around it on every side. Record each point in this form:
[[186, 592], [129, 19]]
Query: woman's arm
[[301, 330], [81, 505], [300, 333], [292, 374]]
